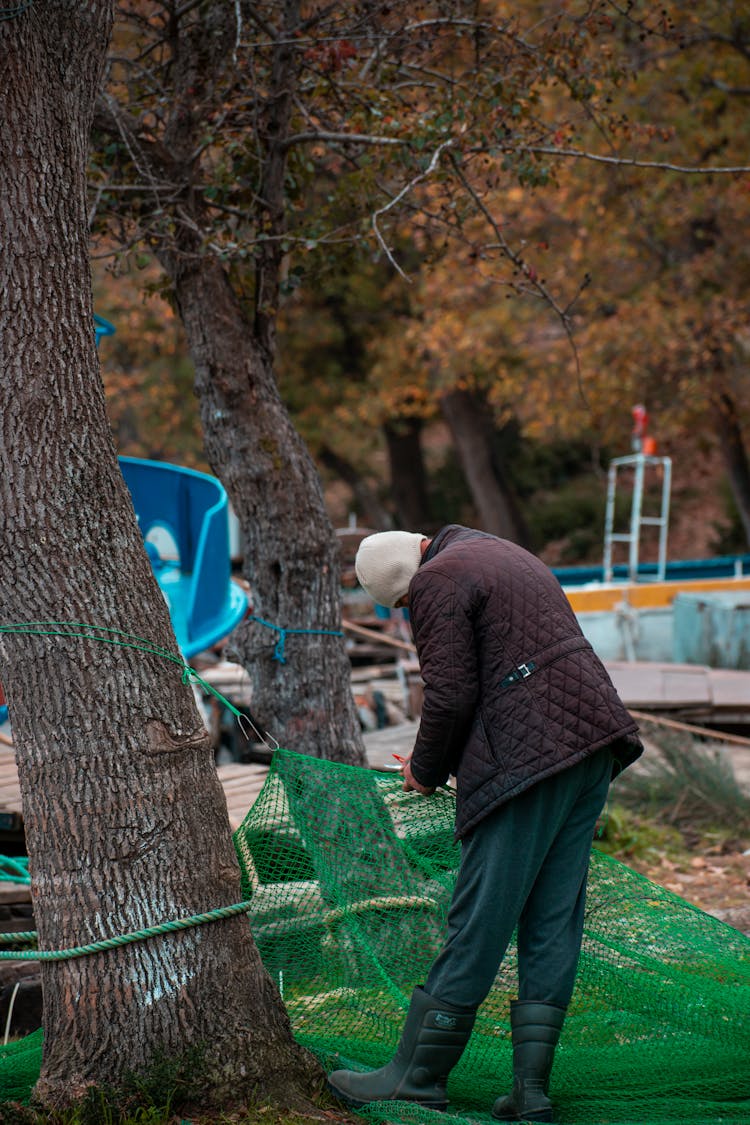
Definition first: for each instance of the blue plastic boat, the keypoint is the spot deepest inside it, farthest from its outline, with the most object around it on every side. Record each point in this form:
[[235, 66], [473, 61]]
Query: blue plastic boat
[[184, 519], [724, 566]]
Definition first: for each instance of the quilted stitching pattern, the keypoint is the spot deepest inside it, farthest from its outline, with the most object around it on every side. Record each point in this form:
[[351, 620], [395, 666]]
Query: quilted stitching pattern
[[481, 606]]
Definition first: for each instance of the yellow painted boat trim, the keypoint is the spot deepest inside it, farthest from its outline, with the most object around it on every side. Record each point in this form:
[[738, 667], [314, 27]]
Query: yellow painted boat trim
[[647, 595]]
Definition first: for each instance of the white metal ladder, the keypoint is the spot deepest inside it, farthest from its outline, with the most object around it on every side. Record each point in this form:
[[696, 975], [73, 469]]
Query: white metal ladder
[[639, 462]]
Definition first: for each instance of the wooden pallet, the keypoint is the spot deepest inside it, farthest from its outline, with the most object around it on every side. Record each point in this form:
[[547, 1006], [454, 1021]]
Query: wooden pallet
[[241, 784]]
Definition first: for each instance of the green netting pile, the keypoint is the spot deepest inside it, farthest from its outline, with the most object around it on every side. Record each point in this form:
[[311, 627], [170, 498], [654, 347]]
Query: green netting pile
[[20, 1063], [351, 879]]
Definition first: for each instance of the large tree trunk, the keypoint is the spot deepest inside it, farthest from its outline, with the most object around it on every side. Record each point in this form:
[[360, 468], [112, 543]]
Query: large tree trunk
[[291, 555], [300, 672], [408, 478], [469, 420], [732, 445], [125, 819]]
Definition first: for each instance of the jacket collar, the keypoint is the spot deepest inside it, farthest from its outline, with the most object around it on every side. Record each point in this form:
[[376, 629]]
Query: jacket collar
[[443, 537]]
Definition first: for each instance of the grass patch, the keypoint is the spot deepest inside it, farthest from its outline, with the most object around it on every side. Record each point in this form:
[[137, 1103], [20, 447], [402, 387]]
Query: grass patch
[[627, 835], [100, 1108], [171, 1093], [684, 784], [152, 1098]]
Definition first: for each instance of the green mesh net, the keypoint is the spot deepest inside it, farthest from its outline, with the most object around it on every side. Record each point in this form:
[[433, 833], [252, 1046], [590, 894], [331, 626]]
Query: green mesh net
[[19, 1067], [351, 880]]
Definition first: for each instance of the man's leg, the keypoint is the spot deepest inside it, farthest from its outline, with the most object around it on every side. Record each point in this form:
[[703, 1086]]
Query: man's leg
[[500, 863], [551, 923], [549, 942]]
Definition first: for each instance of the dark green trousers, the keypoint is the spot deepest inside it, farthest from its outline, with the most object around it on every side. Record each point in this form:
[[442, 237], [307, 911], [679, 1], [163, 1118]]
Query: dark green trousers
[[525, 864]]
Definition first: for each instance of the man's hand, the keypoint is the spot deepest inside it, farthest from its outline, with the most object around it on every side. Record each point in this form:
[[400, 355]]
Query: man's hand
[[411, 783]]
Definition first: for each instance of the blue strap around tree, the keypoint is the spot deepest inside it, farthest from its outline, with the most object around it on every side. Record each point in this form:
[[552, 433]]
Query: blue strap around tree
[[279, 652]]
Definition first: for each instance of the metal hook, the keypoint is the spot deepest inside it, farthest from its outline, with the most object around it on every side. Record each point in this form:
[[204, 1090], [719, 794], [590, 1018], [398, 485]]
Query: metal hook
[[261, 737]]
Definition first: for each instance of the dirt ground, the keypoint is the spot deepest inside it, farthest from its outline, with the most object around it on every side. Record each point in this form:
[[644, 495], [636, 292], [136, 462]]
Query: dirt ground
[[718, 884]]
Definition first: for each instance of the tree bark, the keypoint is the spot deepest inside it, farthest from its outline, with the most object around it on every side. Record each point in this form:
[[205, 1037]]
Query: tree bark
[[125, 819], [291, 556], [734, 452], [469, 420], [408, 477]]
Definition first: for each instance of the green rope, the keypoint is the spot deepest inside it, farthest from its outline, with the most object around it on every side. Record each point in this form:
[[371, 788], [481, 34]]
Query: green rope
[[15, 10], [279, 649], [14, 870], [121, 639], [105, 944]]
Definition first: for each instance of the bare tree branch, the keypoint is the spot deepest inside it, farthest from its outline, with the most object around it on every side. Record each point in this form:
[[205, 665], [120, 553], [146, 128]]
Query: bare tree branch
[[238, 36], [633, 162], [149, 155], [504, 246], [340, 138], [185, 8], [396, 199], [517, 260], [733, 91]]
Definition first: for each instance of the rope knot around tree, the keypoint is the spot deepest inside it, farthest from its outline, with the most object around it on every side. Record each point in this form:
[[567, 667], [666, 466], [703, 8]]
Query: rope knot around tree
[[279, 652]]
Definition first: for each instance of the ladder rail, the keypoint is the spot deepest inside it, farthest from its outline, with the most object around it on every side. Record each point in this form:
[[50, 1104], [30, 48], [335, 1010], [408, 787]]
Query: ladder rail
[[639, 462]]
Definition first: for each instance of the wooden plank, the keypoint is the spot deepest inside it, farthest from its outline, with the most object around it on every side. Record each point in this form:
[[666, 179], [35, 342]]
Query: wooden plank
[[690, 728], [14, 892], [248, 785], [663, 686], [729, 688], [236, 769], [241, 784], [370, 672], [377, 638]]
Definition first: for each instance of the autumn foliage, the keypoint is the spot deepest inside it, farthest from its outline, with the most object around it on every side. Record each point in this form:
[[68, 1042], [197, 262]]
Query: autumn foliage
[[517, 206]]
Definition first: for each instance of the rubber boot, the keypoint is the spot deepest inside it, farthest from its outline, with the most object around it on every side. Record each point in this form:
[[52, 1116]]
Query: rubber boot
[[432, 1042], [536, 1030]]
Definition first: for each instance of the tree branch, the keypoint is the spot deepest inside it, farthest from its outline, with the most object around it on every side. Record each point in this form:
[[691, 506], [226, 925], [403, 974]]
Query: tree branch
[[396, 199], [149, 155], [733, 91], [633, 162], [518, 262], [341, 138]]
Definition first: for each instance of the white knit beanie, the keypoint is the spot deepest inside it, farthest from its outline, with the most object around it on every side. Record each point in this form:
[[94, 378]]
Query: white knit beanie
[[386, 563]]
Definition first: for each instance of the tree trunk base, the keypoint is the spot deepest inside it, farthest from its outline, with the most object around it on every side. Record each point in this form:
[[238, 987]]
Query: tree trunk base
[[290, 1082]]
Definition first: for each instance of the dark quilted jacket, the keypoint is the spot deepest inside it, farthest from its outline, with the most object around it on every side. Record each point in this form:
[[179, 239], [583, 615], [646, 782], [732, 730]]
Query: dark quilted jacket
[[482, 607]]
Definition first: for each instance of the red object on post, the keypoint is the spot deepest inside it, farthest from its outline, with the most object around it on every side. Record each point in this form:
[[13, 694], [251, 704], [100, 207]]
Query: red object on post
[[640, 422]]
